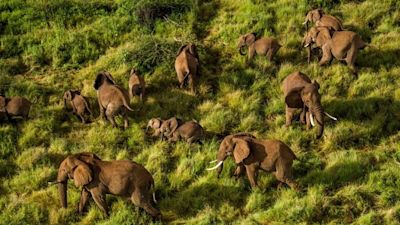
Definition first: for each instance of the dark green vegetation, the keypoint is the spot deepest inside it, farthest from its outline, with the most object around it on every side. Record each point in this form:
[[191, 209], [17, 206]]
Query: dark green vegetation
[[349, 176]]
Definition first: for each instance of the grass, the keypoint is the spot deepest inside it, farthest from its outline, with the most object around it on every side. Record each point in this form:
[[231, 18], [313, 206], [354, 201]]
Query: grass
[[350, 176]]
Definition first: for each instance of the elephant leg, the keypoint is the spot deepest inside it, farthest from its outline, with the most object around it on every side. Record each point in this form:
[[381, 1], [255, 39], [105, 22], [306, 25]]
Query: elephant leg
[[351, 59], [191, 83], [238, 172], [82, 118], [252, 175], [289, 116], [100, 199], [326, 55], [110, 117], [126, 122], [284, 173], [85, 194], [303, 116], [174, 137]]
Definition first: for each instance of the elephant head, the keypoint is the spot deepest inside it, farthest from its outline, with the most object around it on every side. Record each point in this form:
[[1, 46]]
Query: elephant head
[[313, 16], [154, 123], [318, 35], [73, 167], [308, 97], [245, 41], [191, 48], [101, 78], [235, 145], [134, 71]]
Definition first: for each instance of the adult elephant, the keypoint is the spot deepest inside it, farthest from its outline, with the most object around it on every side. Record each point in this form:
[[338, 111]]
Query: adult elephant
[[97, 178], [343, 45], [187, 65], [302, 93], [251, 155], [112, 98], [14, 107], [261, 46], [321, 19]]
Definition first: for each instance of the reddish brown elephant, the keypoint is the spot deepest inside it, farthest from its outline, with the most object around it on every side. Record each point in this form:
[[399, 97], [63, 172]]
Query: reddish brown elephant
[[261, 46]]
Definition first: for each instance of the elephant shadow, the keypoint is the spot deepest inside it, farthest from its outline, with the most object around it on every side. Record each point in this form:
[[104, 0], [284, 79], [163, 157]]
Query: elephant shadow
[[194, 199], [375, 58], [373, 117]]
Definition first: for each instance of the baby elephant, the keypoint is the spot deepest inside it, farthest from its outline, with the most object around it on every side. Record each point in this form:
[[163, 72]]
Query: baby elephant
[[189, 131], [78, 103], [136, 85], [14, 107], [261, 46], [155, 124], [251, 155]]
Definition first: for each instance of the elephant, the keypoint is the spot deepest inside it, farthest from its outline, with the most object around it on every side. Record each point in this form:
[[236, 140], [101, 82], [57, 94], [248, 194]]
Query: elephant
[[78, 103], [262, 46], [155, 124], [169, 126], [302, 93], [97, 178], [321, 19], [189, 131], [251, 154], [343, 45], [112, 98], [14, 107], [187, 65], [136, 85]]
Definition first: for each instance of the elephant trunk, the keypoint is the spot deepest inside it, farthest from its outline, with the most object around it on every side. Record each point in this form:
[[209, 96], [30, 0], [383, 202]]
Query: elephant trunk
[[318, 113], [62, 190], [241, 50]]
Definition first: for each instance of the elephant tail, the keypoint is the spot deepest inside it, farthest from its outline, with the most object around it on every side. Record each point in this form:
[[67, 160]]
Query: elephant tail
[[126, 104]]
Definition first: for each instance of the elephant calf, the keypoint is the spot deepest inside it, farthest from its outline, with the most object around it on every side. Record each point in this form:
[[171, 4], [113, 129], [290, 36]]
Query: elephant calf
[[97, 178], [78, 103], [261, 46], [136, 85], [251, 155], [321, 19], [14, 107]]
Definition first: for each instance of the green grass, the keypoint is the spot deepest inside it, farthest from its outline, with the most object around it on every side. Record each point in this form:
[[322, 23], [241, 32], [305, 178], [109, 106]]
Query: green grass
[[350, 176]]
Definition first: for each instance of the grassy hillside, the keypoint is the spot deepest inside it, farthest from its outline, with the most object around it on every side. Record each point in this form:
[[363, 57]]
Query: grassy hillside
[[350, 176]]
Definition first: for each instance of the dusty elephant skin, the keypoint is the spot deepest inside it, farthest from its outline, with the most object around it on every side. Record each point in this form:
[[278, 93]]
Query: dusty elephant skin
[[112, 98], [321, 19], [155, 124], [261, 46], [97, 178], [169, 126], [187, 66], [251, 155], [14, 107], [189, 131], [302, 93], [343, 45], [136, 85], [78, 103]]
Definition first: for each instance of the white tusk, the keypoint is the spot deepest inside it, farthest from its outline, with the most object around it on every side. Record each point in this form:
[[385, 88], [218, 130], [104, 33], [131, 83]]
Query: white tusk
[[312, 120], [213, 161], [306, 45], [334, 118], [304, 23], [154, 197], [215, 167]]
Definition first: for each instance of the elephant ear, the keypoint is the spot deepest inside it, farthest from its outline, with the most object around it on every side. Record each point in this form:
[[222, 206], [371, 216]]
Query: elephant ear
[[69, 95], [82, 174], [250, 38], [157, 123], [316, 15], [99, 80], [181, 49], [77, 92], [293, 98], [174, 123], [316, 84], [193, 50], [241, 150]]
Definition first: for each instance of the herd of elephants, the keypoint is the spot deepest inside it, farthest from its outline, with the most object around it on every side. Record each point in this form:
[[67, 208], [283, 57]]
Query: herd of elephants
[[125, 178]]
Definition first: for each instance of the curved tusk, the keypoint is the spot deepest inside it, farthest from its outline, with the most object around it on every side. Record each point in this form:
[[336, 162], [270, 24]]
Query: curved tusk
[[306, 45], [215, 167], [330, 116], [213, 161], [154, 197], [312, 120], [305, 22]]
